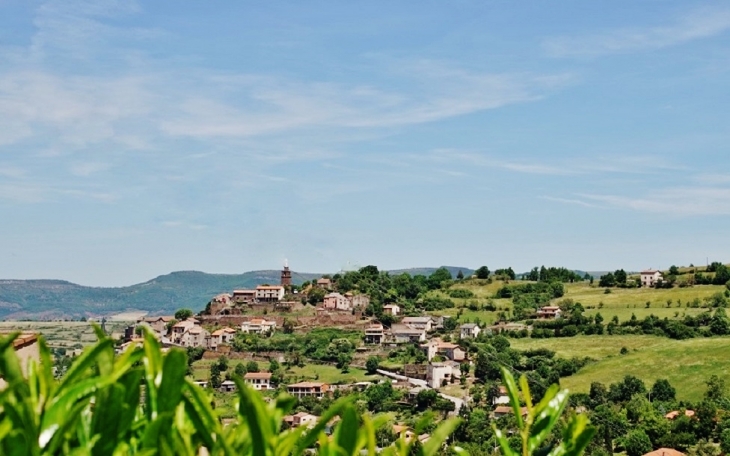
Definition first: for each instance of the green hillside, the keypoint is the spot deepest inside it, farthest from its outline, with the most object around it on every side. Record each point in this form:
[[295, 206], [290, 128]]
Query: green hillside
[[687, 364]]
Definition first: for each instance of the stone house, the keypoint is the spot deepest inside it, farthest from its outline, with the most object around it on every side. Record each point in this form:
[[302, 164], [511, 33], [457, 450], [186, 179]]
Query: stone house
[[470, 331], [650, 277]]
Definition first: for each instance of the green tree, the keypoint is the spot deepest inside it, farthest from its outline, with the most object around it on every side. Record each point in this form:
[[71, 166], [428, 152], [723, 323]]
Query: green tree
[[182, 314], [482, 272], [637, 443], [459, 275], [438, 278], [240, 370], [343, 362], [725, 441], [252, 366], [719, 323], [662, 391], [715, 389], [372, 364]]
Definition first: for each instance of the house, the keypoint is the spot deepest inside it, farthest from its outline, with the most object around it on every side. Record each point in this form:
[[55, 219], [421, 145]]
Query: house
[[301, 389], [504, 410], [324, 283], [258, 380], [437, 374], [425, 323], [336, 301], [502, 397], [194, 337], [244, 296], [650, 277], [470, 331], [27, 348], [268, 293], [374, 334], [301, 419], [447, 349], [258, 326], [157, 324], [391, 309], [220, 303], [549, 313], [665, 452], [406, 333], [359, 301], [180, 328], [228, 386], [221, 336]]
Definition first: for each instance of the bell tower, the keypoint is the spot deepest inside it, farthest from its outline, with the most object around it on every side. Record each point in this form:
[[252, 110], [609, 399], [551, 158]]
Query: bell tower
[[286, 275]]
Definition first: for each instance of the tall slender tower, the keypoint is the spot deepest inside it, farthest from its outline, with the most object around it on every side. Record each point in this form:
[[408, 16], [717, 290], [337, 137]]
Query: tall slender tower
[[286, 275]]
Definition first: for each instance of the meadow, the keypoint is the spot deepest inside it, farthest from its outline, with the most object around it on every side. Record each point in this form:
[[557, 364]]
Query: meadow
[[687, 364]]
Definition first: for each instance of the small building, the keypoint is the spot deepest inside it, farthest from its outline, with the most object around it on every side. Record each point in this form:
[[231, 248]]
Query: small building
[[675, 413], [269, 293], [549, 313], [504, 410], [301, 419], [665, 452], [336, 301], [425, 323], [157, 324], [359, 301], [194, 337], [324, 283], [228, 386], [374, 333], [220, 303], [470, 330], [502, 397], [404, 431], [437, 374], [650, 277], [244, 296], [447, 349], [258, 326], [391, 309], [301, 389], [406, 333], [258, 380]]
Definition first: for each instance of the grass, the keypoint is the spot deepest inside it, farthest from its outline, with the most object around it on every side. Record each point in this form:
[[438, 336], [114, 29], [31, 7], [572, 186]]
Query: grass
[[686, 364], [327, 374]]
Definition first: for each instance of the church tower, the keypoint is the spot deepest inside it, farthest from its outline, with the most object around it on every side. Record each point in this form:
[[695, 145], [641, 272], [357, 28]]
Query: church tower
[[286, 275]]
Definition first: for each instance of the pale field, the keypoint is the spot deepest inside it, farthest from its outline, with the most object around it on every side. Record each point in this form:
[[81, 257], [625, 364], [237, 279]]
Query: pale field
[[66, 334]]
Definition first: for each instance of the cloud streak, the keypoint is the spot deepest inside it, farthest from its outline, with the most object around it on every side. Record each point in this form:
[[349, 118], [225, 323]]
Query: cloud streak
[[680, 201], [698, 24]]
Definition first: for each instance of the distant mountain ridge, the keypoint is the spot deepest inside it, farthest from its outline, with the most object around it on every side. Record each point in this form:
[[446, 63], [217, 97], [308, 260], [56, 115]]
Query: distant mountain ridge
[[49, 299]]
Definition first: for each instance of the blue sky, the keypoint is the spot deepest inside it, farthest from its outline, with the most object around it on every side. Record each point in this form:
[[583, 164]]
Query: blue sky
[[139, 139]]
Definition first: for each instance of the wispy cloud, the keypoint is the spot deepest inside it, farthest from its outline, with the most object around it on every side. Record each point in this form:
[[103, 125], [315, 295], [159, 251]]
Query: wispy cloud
[[680, 201], [698, 24], [567, 201]]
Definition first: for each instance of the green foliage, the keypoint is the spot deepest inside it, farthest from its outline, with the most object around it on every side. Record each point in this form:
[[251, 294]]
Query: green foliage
[[536, 426], [141, 403], [183, 314], [637, 443], [372, 364], [482, 272]]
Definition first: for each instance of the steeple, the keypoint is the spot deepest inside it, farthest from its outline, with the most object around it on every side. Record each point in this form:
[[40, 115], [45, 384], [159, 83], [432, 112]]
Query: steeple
[[286, 275]]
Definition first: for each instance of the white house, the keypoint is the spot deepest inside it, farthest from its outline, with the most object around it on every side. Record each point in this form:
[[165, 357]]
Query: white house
[[301, 419], [258, 326], [650, 277], [267, 293], [391, 309], [407, 333], [436, 373], [470, 331], [374, 334], [258, 380]]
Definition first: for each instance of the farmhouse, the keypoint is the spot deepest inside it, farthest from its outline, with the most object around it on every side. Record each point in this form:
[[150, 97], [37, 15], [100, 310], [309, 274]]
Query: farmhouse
[[221, 336], [258, 380], [244, 296], [324, 283], [437, 374], [228, 386], [407, 333], [650, 277], [188, 333], [157, 324], [504, 410], [336, 301], [447, 349]]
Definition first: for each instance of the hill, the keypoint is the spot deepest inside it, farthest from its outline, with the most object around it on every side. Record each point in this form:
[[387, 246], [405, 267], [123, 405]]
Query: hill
[[50, 299]]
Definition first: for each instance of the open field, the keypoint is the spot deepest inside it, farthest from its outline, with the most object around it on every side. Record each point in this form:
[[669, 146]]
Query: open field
[[68, 334], [687, 364]]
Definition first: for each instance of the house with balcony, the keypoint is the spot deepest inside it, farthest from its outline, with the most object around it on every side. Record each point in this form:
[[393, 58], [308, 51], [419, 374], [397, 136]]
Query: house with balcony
[[302, 389], [269, 293], [549, 313], [258, 380], [244, 296], [223, 336], [374, 333]]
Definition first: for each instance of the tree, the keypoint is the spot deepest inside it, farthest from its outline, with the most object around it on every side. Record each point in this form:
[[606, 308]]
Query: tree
[[662, 391], [425, 399], [183, 314], [719, 323], [715, 388], [673, 270], [439, 276], [223, 363], [482, 272], [637, 443], [725, 441], [240, 370], [287, 326], [460, 275], [343, 362], [252, 366], [315, 295], [372, 364]]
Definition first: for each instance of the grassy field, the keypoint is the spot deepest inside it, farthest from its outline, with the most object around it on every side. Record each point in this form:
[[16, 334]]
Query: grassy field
[[310, 372], [686, 364], [67, 334]]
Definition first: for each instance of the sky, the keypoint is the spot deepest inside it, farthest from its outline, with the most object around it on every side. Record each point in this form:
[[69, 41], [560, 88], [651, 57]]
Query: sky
[[138, 139]]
